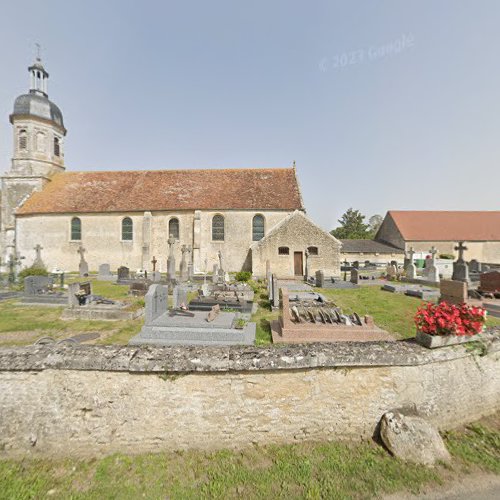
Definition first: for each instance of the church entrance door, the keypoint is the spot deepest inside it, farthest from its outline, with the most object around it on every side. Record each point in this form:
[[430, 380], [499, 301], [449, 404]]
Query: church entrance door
[[297, 264]]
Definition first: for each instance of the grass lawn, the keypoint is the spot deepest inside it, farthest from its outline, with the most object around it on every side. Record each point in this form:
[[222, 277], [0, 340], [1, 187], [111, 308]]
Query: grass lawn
[[392, 311], [306, 470], [21, 324]]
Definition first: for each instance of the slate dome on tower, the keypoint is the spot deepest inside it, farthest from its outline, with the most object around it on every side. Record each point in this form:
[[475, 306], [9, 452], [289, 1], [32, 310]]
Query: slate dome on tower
[[36, 103]]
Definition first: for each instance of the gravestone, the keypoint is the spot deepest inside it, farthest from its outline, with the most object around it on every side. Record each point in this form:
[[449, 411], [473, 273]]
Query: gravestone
[[104, 273], [391, 271], [320, 279], [474, 266], [83, 267], [179, 297], [490, 282], [190, 266], [156, 301], [354, 276], [183, 265], [460, 269], [411, 268], [276, 293], [38, 262], [453, 292], [269, 284], [139, 288], [155, 276], [205, 290], [35, 285], [171, 259], [123, 273], [215, 274], [431, 272], [73, 289]]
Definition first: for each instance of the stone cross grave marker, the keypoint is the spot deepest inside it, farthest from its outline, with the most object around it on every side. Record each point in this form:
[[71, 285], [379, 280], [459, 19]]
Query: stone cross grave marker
[[154, 261], [460, 269], [83, 267], [411, 268], [190, 270], [431, 271], [183, 265], [38, 262], [171, 259]]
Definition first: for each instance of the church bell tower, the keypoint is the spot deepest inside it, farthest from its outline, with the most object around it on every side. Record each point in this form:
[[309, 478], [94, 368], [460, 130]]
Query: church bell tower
[[38, 153]]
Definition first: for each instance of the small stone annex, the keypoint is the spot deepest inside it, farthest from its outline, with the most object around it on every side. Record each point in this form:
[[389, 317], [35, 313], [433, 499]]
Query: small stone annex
[[124, 218]]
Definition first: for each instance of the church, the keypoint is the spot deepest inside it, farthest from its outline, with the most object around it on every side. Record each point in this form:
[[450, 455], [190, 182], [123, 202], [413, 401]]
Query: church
[[254, 217]]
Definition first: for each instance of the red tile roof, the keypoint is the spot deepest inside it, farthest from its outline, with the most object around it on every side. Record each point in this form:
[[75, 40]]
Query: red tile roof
[[129, 191], [447, 226]]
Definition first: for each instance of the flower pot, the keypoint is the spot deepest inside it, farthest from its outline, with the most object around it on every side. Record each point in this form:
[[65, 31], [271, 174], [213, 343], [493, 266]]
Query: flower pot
[[433, 341]]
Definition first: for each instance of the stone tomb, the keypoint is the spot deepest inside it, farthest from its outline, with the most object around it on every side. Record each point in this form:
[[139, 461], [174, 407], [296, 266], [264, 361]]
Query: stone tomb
[[237, 296], [83, 304], [177, 327], [300, 323], [453, 292], [39, 290], [418, 291]]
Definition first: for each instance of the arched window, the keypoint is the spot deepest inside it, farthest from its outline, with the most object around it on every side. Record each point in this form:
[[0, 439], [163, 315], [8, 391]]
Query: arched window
[[173, 228], [23, 139], [40, 142], [258, 228], [76, 229], [312, 250], [283, 251], [218, 228], [57, 146], [127, 229]]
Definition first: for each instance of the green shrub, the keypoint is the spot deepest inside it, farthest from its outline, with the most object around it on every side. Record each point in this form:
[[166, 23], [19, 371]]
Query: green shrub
[[243, 276], [32, 271], [446, 256]]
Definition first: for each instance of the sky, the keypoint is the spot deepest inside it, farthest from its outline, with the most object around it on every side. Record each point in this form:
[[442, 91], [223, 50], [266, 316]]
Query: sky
[[386, 105]]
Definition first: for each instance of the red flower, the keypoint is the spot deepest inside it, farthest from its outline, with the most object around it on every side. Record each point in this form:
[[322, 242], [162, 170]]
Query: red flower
[[449, 319]]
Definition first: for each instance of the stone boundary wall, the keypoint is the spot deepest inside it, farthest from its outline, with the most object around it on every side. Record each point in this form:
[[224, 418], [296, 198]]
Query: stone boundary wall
[[91, 400]]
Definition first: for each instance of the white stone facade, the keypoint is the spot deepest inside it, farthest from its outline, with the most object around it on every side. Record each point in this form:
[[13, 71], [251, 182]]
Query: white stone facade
[[102, 239]]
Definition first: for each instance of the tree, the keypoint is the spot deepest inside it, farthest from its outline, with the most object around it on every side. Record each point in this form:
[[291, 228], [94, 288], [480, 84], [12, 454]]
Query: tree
[[375, 221], [352, 227]]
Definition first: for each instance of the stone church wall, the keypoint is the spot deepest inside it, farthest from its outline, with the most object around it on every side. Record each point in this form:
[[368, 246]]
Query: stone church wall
[[101, 238], [88, 400]]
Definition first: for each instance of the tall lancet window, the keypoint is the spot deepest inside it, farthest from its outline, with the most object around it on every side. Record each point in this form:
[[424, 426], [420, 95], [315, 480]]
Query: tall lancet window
[[258, 228]]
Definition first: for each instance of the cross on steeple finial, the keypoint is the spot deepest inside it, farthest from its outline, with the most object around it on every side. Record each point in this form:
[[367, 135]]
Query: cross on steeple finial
[[38, 51]]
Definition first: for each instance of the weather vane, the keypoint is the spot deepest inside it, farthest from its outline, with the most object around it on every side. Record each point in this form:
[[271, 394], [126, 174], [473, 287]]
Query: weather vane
[[38, 51]]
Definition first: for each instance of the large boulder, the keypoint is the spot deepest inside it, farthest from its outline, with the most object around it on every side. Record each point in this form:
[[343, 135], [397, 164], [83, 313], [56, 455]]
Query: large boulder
[[412, 438]]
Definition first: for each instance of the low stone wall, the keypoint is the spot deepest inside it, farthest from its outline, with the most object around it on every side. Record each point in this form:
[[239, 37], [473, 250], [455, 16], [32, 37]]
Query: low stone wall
[[87, 400]]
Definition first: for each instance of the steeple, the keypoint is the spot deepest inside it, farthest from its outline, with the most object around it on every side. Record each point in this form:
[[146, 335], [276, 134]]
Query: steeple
[[39, 77]]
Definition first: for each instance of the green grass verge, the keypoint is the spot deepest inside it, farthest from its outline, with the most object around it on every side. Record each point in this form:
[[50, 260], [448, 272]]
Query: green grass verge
[[306, 470], [21, 324], [393, 312]]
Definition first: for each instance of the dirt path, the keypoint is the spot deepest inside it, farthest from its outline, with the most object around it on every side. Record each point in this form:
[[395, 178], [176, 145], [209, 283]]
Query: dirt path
[[478, 486]]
